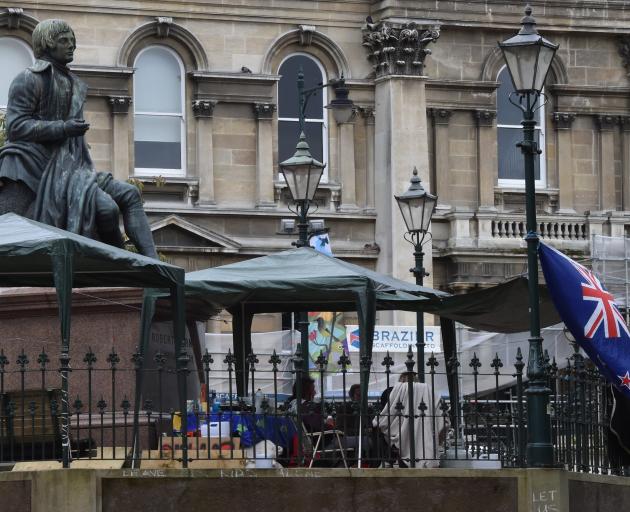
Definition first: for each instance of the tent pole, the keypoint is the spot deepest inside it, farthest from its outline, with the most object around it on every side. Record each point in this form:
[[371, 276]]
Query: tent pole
[[181, 356], [146, 318], [367, 318], [62, 275], [449, 342]]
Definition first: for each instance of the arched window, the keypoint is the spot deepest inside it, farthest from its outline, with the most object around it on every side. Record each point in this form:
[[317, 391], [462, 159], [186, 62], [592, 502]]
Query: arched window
[[15, 56], [315, 126], [510, 133], [159, 113]]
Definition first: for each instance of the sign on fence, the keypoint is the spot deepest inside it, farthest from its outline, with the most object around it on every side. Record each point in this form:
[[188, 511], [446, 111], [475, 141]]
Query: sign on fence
[[395, 338]]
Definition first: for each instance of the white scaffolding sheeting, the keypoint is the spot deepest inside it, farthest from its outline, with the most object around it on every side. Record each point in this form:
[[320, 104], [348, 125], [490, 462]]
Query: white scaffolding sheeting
[[263, 345]]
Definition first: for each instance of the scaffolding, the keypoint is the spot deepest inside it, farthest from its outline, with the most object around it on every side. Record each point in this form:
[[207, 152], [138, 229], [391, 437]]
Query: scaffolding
[[610, 257]]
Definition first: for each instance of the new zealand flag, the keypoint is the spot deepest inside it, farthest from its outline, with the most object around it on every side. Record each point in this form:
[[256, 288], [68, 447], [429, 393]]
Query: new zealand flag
[[590, 313]]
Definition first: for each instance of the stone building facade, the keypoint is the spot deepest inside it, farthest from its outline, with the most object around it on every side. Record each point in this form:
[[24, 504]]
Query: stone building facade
[[201, 81]]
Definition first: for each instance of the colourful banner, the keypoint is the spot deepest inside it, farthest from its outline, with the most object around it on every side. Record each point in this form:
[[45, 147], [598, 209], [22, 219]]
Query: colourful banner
[[327, 336]]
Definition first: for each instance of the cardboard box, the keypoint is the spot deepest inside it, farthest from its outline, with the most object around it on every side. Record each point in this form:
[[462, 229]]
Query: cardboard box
[[224, 443]]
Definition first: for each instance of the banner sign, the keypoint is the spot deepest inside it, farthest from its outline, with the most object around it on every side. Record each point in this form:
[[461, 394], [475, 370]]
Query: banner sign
[[395, 338]]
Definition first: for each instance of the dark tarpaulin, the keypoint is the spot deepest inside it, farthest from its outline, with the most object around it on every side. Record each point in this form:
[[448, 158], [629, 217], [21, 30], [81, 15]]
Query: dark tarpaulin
[[500, 308]]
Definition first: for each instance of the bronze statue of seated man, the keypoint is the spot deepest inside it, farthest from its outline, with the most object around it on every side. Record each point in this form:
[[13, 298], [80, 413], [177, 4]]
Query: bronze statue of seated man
[[46, 170]]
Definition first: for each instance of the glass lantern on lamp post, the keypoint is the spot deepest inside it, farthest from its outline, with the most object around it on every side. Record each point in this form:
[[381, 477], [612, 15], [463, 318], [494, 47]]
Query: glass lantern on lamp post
[[417, 207], [528, 56]]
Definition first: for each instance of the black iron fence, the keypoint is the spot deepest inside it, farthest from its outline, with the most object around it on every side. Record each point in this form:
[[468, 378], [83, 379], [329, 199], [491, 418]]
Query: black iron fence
[[292, 417]]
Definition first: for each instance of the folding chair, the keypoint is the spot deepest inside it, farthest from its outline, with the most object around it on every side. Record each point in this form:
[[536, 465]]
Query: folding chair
[[319, 445]]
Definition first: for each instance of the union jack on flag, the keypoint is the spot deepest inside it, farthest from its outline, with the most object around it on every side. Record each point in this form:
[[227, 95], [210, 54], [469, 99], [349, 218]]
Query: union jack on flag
[[590, 313]]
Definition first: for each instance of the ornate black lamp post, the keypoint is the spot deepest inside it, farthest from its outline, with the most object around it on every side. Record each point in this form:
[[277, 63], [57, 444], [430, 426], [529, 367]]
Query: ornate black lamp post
[[528, 56], [417, 207], [303, 173]]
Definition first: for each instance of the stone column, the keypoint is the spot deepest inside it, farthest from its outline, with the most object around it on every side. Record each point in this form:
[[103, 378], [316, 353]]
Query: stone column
[[400, 145], [264, 155], [397, 52], [487, 166], [203, 111], [368, 114], [441, 117], [564, 160], [121, 167], [347, 168], [625, 161], [606, 124]]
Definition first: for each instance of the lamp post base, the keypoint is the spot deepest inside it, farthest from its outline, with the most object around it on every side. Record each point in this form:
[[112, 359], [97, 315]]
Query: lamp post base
[[540, 455]]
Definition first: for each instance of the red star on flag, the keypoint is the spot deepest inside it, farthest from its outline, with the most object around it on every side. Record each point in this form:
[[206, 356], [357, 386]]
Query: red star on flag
[[625, 379]]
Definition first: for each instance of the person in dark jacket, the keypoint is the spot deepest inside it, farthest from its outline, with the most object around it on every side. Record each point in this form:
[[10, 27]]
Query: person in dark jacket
[[47, 152]]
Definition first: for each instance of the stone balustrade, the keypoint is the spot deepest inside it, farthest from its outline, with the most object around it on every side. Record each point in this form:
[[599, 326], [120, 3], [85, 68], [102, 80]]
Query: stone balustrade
[[500, 230]]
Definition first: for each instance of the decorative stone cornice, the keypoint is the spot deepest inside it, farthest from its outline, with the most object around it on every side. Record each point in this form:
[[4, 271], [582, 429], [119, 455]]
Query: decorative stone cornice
[[440, 115], [398, 49], [624, 121], [264, 110], [203, 108], [485, 117], [119, 104], [306, 34], [606, 122], [563, 120]]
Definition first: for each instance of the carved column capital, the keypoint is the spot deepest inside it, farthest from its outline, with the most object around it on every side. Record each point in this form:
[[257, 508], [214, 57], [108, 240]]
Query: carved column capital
[[398, 48], [203, 108], [440, 115], [624, 51], [367, 113], [264, 110], [485, 117], [563, 120], [606, 122], [624, 121], [119, 104]]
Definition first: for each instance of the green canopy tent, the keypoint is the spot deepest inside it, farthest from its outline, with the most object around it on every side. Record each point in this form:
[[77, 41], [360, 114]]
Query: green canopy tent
[[35, 254], [301, 280]]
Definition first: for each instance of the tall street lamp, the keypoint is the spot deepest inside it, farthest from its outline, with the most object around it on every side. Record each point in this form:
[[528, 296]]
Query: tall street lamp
[[528, 56], [417, 207], [303, 173]]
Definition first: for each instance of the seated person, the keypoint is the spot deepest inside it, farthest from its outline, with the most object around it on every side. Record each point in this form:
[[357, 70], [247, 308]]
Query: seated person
[[394, 423], [349, 418], [310, 410]]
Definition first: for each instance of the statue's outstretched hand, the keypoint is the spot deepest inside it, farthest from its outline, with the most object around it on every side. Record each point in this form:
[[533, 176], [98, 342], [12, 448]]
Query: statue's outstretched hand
[[75, 127]]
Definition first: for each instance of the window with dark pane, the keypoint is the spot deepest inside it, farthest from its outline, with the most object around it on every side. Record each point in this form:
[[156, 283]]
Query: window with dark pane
[[510, 133], [315, 127], [159, 112]]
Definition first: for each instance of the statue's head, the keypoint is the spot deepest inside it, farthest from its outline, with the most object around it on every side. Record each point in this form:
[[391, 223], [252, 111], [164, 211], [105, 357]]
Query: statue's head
[[54, 39]]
